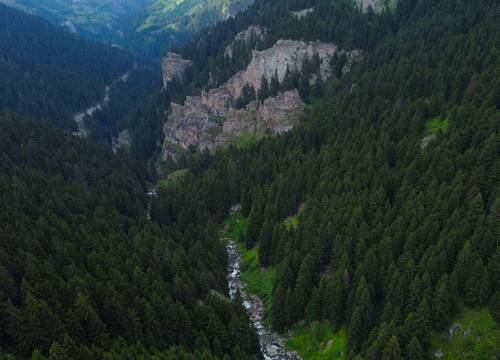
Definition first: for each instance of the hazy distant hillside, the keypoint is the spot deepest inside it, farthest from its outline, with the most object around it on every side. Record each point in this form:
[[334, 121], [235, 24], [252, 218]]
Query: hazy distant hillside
[[48, 73], [102, 19], [146, 27], [171, 22]]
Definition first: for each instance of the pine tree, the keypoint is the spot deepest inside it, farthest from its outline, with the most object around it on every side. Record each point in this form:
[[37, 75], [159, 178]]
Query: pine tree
[[441, 308], [265, 243], [302, 291], [333, 301], [495, 306], [86, 325], [423, 323], [415, 351], [355, 333], [278, 308], [313, 308], [274, 86], [255, 221], [392, 350], [264, 89]]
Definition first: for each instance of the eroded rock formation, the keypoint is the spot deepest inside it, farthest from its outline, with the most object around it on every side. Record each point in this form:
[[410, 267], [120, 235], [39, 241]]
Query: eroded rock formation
[[199, 124], [300, 14], [173, 66], [211, 119], [256, 32], [285, 54], [377, 5]]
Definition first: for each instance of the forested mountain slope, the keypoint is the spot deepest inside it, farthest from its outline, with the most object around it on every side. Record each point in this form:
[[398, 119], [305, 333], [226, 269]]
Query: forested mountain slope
[[48, 73], [95, 19], [396, 173], [85, 275], [338, 24], [168, 23], [145, 27]]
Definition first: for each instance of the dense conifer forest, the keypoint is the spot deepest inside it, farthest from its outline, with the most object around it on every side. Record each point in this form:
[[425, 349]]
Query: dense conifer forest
[[396, 173], [48, 73], [379, 213], [85, 275]]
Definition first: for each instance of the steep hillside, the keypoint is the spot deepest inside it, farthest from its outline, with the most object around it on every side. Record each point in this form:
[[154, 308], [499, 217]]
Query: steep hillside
[[145, 27], [379, 215], [46, 72], [168, 23], [246, 105], [251, 81], [96, 19], [49, 74], [84, 275]]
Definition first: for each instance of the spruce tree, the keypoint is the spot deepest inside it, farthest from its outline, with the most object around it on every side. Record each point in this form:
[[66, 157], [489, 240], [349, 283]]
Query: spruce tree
[[415, 351], [278, 317], [495, 306], [274, 86], [392, 350], [264, 89], [265, 243]]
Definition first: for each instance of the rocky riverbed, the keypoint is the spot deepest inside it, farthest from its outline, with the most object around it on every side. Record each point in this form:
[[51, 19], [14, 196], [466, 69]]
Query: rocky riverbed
[[271, 344]]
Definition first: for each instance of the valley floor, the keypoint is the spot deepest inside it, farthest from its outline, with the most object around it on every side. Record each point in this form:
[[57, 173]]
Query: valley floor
[[315, 341]]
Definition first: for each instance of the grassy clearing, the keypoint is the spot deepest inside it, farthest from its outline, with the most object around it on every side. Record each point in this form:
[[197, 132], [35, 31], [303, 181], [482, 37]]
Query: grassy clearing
[[173, 178], [482, 342], [258, 280], [436, 125], [245, 141], [315, 342], [291, 222], [318, 341]]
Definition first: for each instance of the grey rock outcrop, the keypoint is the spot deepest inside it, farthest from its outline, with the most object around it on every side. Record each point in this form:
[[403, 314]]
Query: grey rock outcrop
[[377, 5], [300, 14], [123, 141], [173, 66], [211, 119], [285, 54], [206, 126], [256, 32]]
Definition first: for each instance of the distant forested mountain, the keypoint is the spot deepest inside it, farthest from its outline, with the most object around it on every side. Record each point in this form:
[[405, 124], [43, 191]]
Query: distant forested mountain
[[45, 72], [95, 19], [146, 27], [48, 73]]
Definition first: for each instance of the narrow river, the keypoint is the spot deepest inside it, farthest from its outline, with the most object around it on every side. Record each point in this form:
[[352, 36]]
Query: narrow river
[[271, 344]]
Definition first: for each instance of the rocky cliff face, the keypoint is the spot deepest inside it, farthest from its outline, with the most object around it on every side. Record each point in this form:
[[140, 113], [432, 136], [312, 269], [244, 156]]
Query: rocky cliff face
[[285, 54], [173, 66], [255, 31], [302, 13], [377, 5], [199, 124], [211, 119]]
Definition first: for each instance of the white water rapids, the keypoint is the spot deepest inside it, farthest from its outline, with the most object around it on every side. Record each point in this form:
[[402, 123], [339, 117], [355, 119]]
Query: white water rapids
[[271, 344]]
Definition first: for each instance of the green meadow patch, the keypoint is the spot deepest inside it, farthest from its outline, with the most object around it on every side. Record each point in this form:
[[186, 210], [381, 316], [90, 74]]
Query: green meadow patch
[[476, 336], [259, 281], [436, 125], [318, 341]]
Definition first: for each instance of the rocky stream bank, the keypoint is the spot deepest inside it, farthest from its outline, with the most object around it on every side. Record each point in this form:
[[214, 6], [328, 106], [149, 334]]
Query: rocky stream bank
[[271, 344]]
